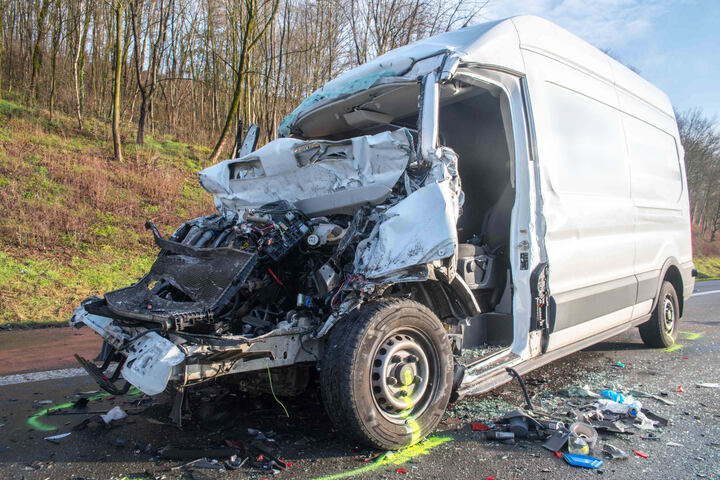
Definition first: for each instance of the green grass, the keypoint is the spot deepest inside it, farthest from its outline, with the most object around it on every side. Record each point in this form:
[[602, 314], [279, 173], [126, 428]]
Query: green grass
[[708, 268], [46, 290], [72, 217]]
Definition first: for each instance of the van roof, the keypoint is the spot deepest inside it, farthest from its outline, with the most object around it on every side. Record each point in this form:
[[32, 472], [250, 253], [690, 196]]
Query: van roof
[[496, 43]]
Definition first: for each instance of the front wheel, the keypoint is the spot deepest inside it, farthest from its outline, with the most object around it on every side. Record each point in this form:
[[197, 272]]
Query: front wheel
[[386, 376], [661, 330]]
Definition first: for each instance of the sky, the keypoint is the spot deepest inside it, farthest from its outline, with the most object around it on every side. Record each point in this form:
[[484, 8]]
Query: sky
[[675, 44]]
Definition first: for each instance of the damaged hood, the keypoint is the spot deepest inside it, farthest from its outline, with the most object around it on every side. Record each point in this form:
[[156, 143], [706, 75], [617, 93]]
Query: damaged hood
[[490, 43], [317, 176]]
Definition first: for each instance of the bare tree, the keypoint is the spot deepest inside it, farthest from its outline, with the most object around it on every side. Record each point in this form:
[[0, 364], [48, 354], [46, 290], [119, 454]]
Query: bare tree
[[157, 19], [37, 50], [118, 8], [250, 36]]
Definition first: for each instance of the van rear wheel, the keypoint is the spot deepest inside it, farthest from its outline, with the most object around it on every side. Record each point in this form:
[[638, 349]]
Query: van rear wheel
[[386, 375], [661, 330]]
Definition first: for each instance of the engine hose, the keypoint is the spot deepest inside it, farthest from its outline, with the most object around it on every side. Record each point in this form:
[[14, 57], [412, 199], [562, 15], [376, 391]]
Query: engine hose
[[514, 373]]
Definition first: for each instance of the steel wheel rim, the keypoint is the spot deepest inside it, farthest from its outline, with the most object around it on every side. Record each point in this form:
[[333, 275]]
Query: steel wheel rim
[[668, 313], [403, 374]]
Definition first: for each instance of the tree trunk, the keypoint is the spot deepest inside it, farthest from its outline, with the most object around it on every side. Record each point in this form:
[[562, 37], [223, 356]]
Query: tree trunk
[[116, 90], [248, 42], [79, 60], [2, 11], [37, 53], [140, 140]]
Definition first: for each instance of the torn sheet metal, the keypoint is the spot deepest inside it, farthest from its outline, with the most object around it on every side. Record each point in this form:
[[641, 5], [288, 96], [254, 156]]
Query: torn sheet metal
[[318, 177], [183, 284], [150, 361], [419, 229]]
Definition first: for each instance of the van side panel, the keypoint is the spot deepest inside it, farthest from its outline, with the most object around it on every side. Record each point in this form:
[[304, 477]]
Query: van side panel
[[658, 184], [586, 191]]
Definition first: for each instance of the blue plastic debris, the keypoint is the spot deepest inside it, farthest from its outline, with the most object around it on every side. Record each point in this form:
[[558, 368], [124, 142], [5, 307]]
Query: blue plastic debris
[[584, 461]]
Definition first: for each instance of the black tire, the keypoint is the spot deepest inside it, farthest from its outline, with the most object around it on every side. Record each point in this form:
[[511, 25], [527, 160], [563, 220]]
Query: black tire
[[661, 330], [405, 340]]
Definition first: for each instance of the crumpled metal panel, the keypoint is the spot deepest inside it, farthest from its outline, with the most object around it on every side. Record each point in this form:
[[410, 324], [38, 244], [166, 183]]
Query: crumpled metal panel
[[319, 177], [207, 276], [419, 229]]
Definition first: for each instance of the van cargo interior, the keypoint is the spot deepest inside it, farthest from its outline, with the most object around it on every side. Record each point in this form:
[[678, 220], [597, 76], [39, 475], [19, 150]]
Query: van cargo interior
[[472, 124]]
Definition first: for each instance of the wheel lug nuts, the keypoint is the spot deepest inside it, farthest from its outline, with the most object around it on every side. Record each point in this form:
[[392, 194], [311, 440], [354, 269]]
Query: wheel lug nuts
[[391, 381], [417, 379], [401, 393], [411, 359], [395, 359]]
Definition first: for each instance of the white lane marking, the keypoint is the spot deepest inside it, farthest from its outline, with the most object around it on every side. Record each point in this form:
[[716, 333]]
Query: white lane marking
[[697, 294], [38, 376]]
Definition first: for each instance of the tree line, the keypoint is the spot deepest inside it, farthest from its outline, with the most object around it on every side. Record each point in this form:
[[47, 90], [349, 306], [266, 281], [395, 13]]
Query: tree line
[[700, 136], [198, 69]]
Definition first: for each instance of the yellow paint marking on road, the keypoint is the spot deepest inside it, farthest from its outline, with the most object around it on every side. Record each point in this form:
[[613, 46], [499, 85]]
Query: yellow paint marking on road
[[672, 348], [690, 335], [392, 458]]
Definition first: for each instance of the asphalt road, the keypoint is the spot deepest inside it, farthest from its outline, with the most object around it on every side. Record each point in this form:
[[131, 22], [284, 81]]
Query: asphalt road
[[316, 450]]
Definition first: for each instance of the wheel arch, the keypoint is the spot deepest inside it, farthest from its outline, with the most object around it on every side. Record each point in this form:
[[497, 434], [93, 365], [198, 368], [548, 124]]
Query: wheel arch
[[670, 272], [445, 300]]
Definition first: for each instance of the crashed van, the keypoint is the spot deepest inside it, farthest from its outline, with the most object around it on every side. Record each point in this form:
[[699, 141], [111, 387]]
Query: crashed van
[[471, 205]]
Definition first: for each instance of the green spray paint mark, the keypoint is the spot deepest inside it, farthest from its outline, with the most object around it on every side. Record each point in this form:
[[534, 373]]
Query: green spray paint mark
[[690, 335], [672, 348], [392, 458], [34, 420]]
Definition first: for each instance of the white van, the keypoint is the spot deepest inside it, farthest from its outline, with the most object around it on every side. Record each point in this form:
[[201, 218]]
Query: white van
[[498, 196]]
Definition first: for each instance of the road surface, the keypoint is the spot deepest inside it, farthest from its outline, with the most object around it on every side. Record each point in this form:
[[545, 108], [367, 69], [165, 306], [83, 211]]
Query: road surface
[[317, 451]]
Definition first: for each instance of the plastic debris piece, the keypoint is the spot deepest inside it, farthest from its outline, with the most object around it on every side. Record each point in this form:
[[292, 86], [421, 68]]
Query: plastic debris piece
[[81, 402], [401, 470], [490, 478], [640, 454], [709, 385], [586, 432], [558, 454], [663, 422], [58, 437], [578, 446], [673, 444], [499, 436], [583, 391], [612, 451], [680, 389], [643, 422], [115, 413], [620, 364], [619, 408], [584, 461], [479, 427], [557, 441]]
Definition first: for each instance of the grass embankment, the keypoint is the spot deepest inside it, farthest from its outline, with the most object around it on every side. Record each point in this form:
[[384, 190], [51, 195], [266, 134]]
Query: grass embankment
[[706, 255], [71, 218]]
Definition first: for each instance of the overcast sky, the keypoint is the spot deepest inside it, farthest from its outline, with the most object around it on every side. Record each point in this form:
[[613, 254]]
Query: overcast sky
[[675, 44]]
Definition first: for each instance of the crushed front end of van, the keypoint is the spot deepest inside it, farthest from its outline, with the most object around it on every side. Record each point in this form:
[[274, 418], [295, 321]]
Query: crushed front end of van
[[306, 231], [335, 258]]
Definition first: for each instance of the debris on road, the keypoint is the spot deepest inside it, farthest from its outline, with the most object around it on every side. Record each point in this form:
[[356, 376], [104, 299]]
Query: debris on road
[[576, 423], [54, 438], [613, 452], [709, 385], [584, 461], [114, 414]]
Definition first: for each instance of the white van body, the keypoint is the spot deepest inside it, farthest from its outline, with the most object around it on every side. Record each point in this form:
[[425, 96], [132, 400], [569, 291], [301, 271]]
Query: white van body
[[601, 194], [553, 214]]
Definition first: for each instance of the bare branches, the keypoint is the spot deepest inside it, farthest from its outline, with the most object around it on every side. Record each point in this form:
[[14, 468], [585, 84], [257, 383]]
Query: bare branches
[[193, 69]]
